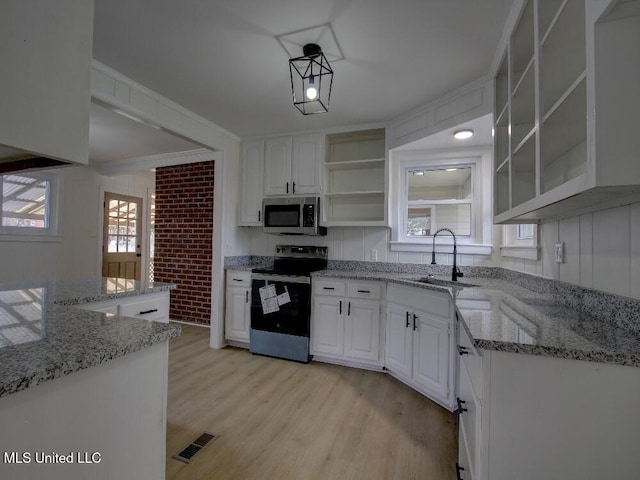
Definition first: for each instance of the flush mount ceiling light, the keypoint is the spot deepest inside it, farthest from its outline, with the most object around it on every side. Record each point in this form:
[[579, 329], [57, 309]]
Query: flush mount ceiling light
[[311, 80], [463, 134]]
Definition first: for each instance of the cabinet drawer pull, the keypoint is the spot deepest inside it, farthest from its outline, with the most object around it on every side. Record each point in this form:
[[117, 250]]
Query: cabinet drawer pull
[[407, 324], [364, 291], [148, 311], [415, 317], [328, 288], [458, 470], [237, 279], [461, 404], [463, 350]]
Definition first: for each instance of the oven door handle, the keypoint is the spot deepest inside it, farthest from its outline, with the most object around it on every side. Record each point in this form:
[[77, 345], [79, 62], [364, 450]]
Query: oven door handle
[[280, 278]]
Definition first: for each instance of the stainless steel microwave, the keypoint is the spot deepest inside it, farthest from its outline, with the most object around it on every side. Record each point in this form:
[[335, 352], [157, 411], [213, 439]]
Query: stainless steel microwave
[[292, 216]]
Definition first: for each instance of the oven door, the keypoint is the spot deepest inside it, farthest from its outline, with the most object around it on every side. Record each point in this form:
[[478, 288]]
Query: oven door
[[288, 312]]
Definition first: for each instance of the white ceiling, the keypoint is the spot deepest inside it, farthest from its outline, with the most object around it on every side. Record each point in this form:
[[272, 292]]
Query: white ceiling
[[222, 60]]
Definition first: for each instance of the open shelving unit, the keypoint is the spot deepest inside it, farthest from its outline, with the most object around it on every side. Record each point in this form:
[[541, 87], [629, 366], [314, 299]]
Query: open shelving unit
[[565, 61], [355, 172]]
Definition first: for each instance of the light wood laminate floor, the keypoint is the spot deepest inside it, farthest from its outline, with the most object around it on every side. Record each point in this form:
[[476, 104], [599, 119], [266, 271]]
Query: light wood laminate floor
[[283, 420]]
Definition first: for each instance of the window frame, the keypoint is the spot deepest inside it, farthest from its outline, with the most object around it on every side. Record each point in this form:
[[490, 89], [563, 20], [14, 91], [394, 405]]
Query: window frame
[[406, 203], [480, 243], [514, 247], [52, 208]]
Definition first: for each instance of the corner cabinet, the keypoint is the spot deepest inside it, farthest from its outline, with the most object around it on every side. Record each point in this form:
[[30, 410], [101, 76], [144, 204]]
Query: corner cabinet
[[531, 417], [419, 341], [252, 183], [237, 312], [345, 322], [566, 110], [293, 165], [355, 173]]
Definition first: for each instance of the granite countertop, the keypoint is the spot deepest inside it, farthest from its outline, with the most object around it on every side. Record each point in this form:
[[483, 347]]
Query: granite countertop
[[44, 336], [501, 314]]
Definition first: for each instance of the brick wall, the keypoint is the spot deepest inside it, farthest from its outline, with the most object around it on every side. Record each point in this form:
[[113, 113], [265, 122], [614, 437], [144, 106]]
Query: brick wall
[[183, 238]]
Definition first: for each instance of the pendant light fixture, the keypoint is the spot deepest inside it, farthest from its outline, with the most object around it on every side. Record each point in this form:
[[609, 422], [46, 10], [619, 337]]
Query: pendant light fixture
[[311, 80]]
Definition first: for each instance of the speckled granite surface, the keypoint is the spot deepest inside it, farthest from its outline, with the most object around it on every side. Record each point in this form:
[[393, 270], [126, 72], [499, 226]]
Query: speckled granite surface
[[43, 336], [520, 313]]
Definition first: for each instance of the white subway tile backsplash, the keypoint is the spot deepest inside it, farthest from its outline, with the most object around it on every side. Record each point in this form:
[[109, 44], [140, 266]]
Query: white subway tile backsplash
[[586, 251]]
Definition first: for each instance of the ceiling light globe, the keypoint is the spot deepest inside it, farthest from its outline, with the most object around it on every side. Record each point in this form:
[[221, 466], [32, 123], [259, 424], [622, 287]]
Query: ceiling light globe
[[311, 93], [463, 134]]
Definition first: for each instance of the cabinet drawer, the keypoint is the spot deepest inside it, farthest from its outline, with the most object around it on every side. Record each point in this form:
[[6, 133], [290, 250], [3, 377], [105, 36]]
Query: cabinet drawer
[[470, 358], [238, 278], [371, 290], [331, 287], [155, 308]]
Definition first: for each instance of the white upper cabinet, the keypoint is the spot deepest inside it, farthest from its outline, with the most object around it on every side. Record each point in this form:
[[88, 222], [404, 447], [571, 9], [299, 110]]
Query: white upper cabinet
[[566, 108], [46, 58], [252, 183], [293, 165]]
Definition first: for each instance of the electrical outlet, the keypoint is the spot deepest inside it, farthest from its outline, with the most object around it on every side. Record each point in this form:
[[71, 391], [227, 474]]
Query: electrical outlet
[[560, 252], [373, 255]]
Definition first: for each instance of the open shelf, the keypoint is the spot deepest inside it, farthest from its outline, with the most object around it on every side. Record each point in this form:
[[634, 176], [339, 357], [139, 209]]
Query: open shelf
[[563, 54], [563, 137], [356, 164], [522, 43], [355, 179], [502, 86], [501, 138], [523, 108], [523, 168], [547, 13], [366, 145], [502, 190]]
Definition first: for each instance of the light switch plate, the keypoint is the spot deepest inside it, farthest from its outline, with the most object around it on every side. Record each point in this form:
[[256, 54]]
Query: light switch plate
[[560, 252]]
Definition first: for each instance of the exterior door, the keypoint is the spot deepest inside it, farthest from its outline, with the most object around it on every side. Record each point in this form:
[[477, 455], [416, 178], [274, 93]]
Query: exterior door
[[122, 235]]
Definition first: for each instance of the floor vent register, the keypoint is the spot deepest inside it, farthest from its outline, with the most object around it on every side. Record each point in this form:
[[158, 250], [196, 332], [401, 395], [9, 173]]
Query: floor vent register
[[195, 447]]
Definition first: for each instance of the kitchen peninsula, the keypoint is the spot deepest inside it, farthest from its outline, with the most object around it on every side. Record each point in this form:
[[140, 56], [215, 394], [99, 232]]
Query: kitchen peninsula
[[81, 385]]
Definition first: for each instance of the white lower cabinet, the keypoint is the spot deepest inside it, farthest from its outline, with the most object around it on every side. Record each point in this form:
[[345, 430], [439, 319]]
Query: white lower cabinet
[[345, 321], [419, 343], [149, 306], [532, 417], [237, 317]]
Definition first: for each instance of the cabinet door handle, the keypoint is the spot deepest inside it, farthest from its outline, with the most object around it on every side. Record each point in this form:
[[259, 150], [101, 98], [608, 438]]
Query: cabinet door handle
[[294, 187], [461, 404], [259, 216], [463, 350], [415, 317], [364, 291], [246, 296], [287, 187], [340, 307], [407, 324], [349, 309], [459, 469], [145, 312]]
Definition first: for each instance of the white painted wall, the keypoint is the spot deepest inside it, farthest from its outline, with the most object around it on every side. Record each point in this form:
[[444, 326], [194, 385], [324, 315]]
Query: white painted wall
[[76, 252], [602, 251]]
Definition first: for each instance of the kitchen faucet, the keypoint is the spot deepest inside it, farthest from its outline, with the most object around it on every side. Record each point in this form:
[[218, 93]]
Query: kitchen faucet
[[455, 273]]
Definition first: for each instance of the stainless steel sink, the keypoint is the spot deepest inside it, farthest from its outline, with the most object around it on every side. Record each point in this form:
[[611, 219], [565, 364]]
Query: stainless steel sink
[[442, 283]]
